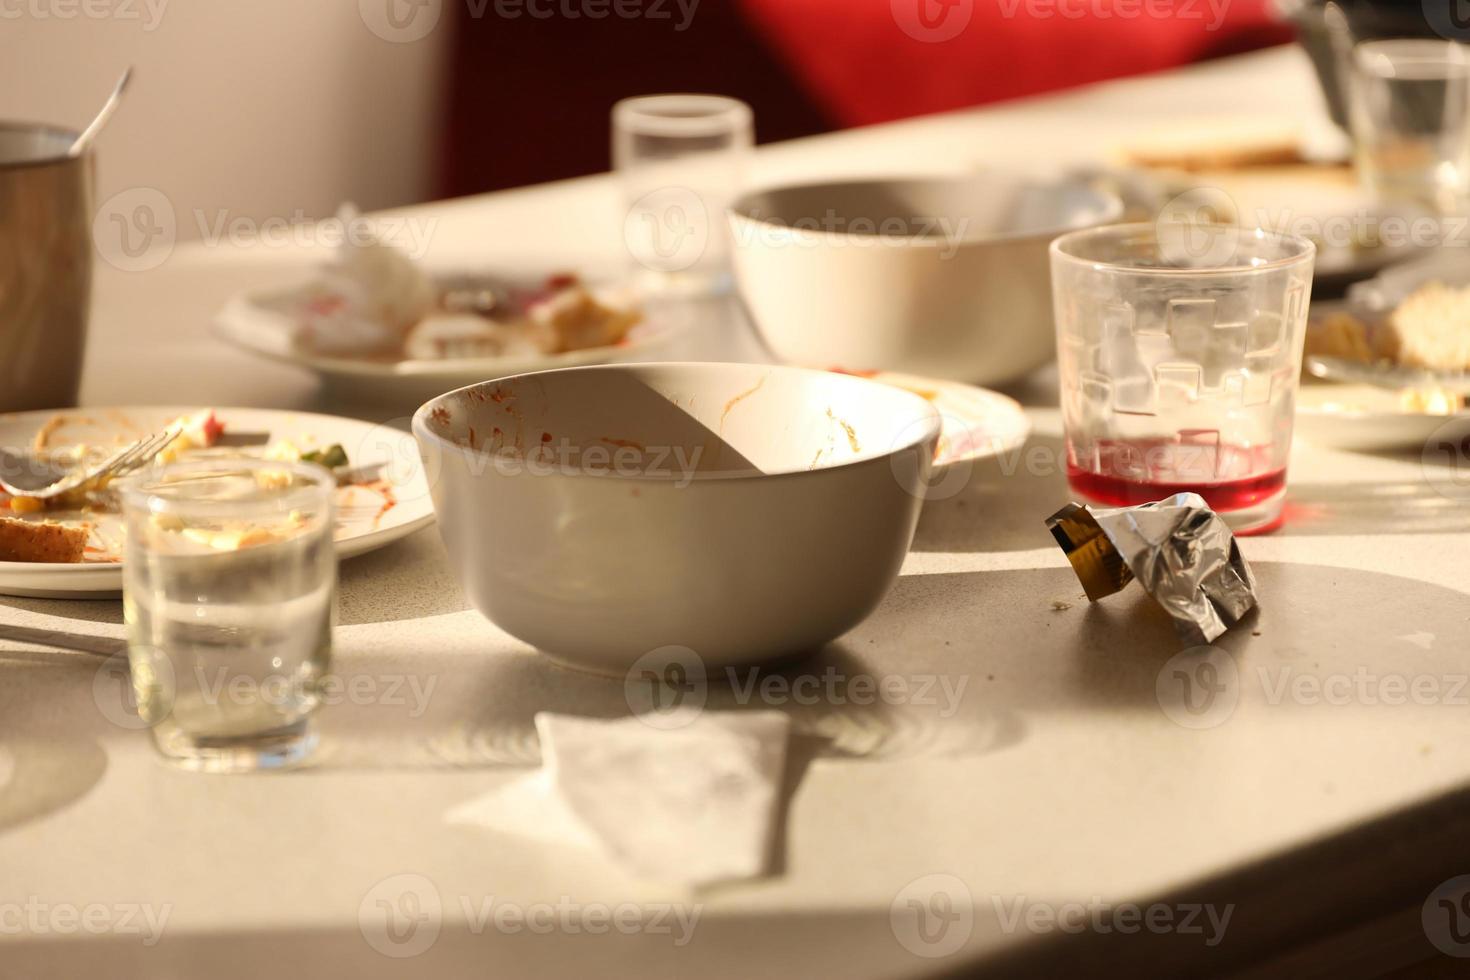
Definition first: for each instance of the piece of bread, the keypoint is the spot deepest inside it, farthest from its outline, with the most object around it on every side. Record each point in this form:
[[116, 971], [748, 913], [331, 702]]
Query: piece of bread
[[1345, 336], [41, 541], [574, 319], [1432, 327], [1226, 143]]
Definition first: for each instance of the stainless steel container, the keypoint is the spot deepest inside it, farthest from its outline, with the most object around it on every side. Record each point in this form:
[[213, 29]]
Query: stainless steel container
[[45, 265]]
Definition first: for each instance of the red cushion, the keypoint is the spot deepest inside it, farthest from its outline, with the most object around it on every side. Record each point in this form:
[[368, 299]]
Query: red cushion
[[869, 61]]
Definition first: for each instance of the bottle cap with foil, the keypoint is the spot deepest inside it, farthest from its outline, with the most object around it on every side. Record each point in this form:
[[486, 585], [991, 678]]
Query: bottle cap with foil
[[1182, 553]]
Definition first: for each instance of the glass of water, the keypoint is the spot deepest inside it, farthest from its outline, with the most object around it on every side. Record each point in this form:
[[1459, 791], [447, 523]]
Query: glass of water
[[681, 160], [1410, 108], [1180, 350], [228, 586]]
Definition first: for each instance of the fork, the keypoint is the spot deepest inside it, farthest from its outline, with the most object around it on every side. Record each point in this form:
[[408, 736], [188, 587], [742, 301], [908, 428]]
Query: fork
[[25, 474]]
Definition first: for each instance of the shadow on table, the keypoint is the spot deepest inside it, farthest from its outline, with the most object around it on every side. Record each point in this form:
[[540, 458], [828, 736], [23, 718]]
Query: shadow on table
[[675, 935], [51, 753], [841, 705], [105, 610], [997, 504], [409, 579], [38, 778], [1002, 503], [957, 664], [951, 664], [1025, 659]]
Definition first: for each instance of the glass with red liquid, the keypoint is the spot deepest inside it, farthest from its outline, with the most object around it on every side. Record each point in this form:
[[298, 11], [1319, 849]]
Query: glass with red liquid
[[1180, 350]]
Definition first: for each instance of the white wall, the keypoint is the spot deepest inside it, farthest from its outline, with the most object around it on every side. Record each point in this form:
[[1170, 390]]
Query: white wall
[[260, 107]]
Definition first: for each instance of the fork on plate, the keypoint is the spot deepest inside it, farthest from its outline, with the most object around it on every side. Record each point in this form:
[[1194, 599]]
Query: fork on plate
[[29, 474]]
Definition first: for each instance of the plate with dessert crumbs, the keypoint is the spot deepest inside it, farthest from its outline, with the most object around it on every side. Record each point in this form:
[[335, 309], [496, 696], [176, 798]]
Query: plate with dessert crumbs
[[73, 546], [1389, 367], [376, 325]]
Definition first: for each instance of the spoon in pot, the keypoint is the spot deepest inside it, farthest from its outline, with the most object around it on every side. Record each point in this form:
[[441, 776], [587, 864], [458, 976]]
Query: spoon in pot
[[105, 113]]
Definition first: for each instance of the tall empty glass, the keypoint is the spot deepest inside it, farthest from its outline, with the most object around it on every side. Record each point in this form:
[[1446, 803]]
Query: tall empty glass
[[228, 586], [1180, 351], [681, 160], [1410, 109]]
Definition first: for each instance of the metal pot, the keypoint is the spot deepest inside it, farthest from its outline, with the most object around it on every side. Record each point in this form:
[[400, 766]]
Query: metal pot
[[45, 265]]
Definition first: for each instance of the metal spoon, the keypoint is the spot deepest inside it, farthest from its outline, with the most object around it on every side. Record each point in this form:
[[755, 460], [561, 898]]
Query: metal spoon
[[105, 113]]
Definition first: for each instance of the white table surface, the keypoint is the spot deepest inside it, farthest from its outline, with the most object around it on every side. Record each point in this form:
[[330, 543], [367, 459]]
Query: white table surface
[[1059, 778]]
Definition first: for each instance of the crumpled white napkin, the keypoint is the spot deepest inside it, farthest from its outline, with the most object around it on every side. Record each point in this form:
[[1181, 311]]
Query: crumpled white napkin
[[693, 802]]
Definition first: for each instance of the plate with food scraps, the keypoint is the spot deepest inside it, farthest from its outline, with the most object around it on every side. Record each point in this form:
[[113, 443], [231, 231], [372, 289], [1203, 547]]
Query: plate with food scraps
[[1392, 361], [402, 336], [1370, 418], [382, 492], [975, 422]]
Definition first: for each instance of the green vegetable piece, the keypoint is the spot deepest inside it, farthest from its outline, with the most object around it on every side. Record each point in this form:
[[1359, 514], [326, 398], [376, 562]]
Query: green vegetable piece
[[332, 457]]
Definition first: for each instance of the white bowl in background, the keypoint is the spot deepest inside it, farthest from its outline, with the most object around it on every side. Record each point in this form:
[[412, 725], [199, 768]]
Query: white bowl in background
[[755, 511], [942, 277]]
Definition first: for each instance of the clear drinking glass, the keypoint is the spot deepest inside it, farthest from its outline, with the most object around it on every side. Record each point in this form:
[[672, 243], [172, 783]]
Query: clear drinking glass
[[681, 160], [228, 586], [1180, 352], [1410, 108]]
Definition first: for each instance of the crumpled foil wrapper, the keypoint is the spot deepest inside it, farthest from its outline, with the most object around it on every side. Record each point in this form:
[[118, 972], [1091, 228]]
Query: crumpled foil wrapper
[[1181, 552]]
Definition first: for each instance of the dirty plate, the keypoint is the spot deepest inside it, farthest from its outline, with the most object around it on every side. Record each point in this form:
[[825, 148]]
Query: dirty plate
[[266, 323], [977, 422], [1367, 418], [391, 502]]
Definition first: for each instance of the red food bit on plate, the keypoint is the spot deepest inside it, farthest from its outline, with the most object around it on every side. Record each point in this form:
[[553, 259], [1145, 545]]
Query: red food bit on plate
[[211, 428]]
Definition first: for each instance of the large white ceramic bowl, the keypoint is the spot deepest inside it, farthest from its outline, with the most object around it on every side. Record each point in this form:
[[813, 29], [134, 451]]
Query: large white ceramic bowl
[[746, 512], [942, 277]]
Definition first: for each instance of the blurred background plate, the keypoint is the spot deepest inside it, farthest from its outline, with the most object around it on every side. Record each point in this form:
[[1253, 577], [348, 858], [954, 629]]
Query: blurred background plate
[[265, 323], [1367, 418]]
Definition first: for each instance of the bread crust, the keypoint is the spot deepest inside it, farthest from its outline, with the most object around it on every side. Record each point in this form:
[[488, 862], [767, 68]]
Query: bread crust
[[41, 541]]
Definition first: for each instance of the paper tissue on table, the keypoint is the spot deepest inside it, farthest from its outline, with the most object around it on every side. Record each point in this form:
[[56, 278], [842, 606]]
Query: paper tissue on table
[[1182, 553], [693, 802]]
